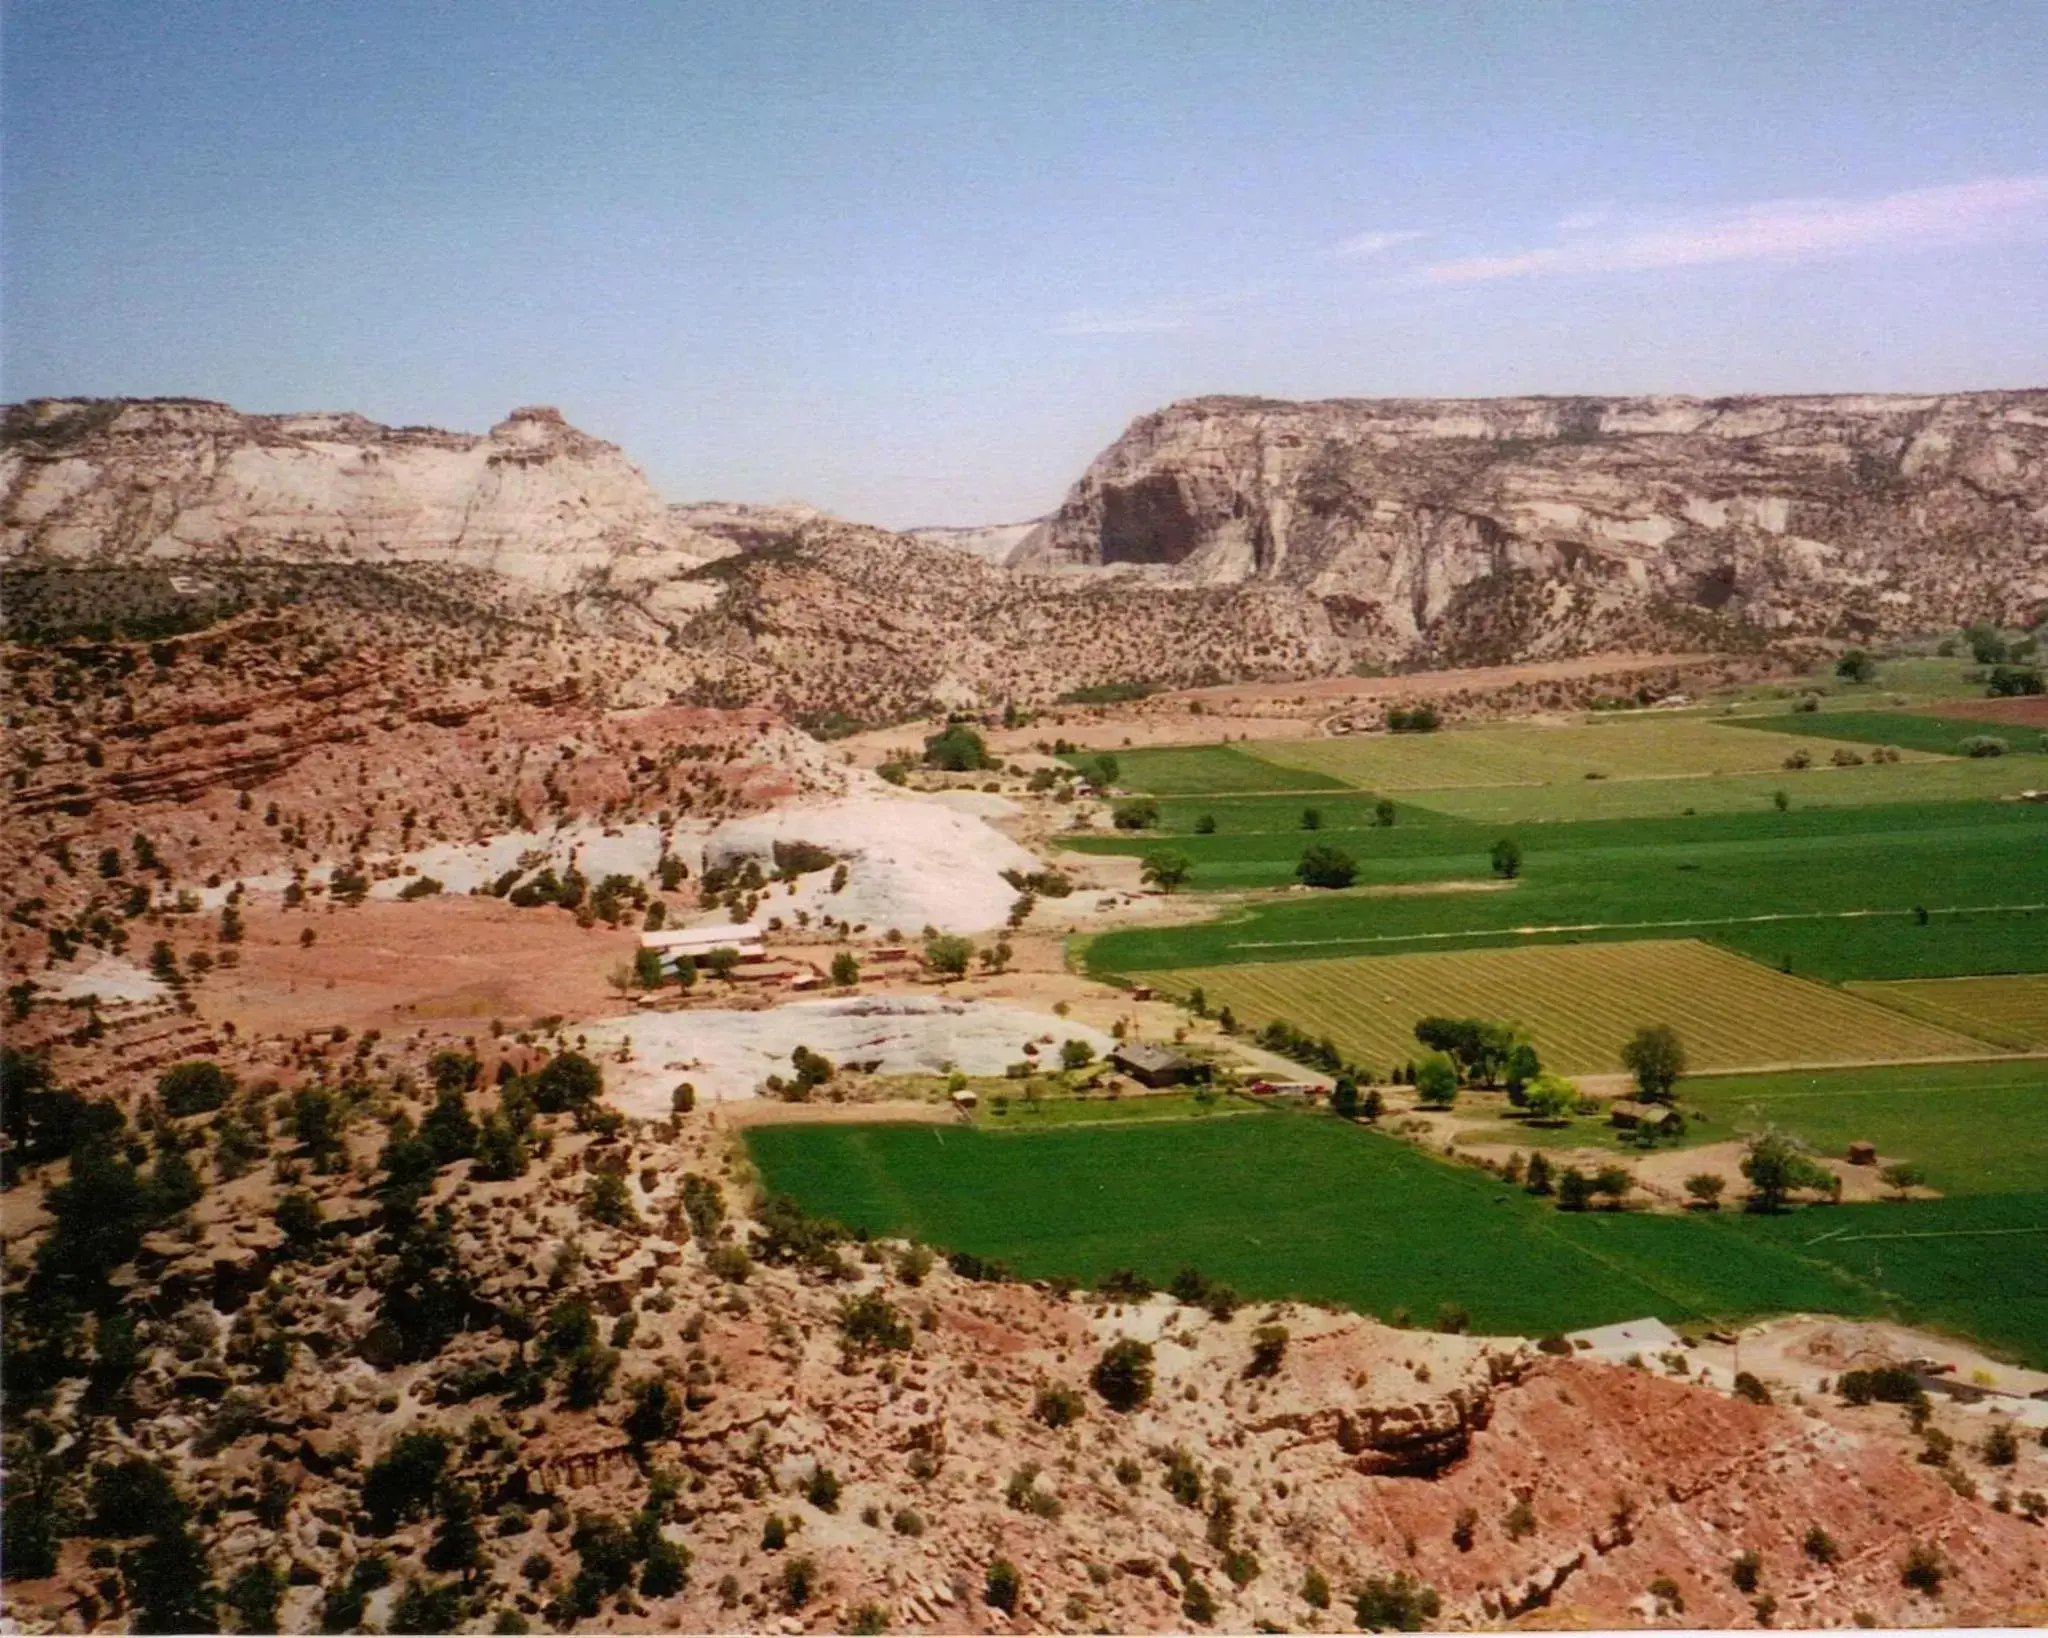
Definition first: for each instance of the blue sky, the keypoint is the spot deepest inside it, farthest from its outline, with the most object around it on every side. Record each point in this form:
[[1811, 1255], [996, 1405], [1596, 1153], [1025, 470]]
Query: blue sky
[[919, 262]]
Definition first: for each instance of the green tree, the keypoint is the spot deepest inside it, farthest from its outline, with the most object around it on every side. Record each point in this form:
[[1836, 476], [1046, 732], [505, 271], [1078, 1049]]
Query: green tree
[[1383, 814], [845, 969], [1076, 1054], [1777, 1164], [1507, 858], [402, 1482], [1523, 1066], [1574, 1190], [1344, 1097], [657, 1411], [1323, 865], [1436, 1080], [169, 1580], [948, 954], [1655, 1056], [1166, 869], [647, 971], [1311, 818], [1138, 813], [1550, 1099], [567, 1081], [500, 1149], [194, 1088], [957, 749], [1902, 1177], [449, 1131], [1856, 666], [1706, 1189]]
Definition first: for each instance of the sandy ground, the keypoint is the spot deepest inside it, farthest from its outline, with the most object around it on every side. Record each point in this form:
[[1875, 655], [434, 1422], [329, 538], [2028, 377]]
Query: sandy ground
[[1798, 1352], [446, 964]]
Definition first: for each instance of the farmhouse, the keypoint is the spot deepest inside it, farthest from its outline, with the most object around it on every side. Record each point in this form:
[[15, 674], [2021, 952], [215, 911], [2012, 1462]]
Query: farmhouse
[[676, 942], [1151, 1065]]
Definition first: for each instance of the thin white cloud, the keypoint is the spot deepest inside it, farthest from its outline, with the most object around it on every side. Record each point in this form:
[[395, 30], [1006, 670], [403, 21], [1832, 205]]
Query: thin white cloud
[[1361, 245], [1783, 231], [1588, 218]]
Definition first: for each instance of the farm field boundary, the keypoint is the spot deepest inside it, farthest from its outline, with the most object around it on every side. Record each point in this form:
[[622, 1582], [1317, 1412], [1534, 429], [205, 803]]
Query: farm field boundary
[[1298, 1206], [1579, 1003], [1909, 730], [1630, 748], [2010, 1009], [1282, 1205], [1181, 770], [1821, 786]]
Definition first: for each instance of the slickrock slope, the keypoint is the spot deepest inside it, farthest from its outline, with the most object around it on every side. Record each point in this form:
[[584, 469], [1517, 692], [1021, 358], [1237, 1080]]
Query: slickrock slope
[[1481, 530], [656, 1377], [535, 500]]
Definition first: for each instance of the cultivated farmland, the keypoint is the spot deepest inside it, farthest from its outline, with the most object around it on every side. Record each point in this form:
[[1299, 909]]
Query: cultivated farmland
[[1578, 1002], [1978, 1128], [1821, 786], [1285, 1205], [2010, 1009], [1836, 893], [1195, 769], [1909, 730], [1625, 748]]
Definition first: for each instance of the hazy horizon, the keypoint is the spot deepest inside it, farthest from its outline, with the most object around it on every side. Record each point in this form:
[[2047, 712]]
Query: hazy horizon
[[917, 264]]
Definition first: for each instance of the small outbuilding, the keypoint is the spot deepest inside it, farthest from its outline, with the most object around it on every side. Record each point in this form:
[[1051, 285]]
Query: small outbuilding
[[1152, 1065], [1862, 1154], [1633, 1115]]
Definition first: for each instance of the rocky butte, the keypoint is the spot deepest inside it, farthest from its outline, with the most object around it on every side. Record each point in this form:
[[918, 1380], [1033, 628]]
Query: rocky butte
[[534, 499]]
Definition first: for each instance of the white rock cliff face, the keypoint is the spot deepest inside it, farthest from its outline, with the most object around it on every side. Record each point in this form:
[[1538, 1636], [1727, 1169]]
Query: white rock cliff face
[[534, 500], [1516, 525]]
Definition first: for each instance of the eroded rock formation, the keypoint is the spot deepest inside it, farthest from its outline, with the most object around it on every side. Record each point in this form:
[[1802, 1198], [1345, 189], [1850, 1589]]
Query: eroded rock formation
[[1491, 529], [534, 499]]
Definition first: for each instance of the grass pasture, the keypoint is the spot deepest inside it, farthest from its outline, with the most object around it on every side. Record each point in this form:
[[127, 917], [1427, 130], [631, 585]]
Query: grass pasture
[[1624, 748], [1834, 893], [1579, 1003], [2009, 1009], [1285, 1205], [1193, 770], [1909, 730], [1978, 1128], [1821, 786]]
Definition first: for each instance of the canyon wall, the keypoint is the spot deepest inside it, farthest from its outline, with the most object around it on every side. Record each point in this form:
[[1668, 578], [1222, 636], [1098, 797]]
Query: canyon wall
[[1518, 527]]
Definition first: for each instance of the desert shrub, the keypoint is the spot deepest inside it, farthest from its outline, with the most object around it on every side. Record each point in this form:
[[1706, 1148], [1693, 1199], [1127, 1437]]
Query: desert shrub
[[1123, 1375], [1003, 1586], [1396, 1603]]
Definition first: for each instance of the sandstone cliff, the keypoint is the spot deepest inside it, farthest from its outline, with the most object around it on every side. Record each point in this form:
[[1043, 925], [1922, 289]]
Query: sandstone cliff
[[534, 499], [1485, 529]]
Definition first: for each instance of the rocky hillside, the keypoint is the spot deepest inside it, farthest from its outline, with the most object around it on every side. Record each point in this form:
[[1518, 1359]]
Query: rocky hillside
[[837, 619], [388, 1337], [534, 499], [1491, 529]]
